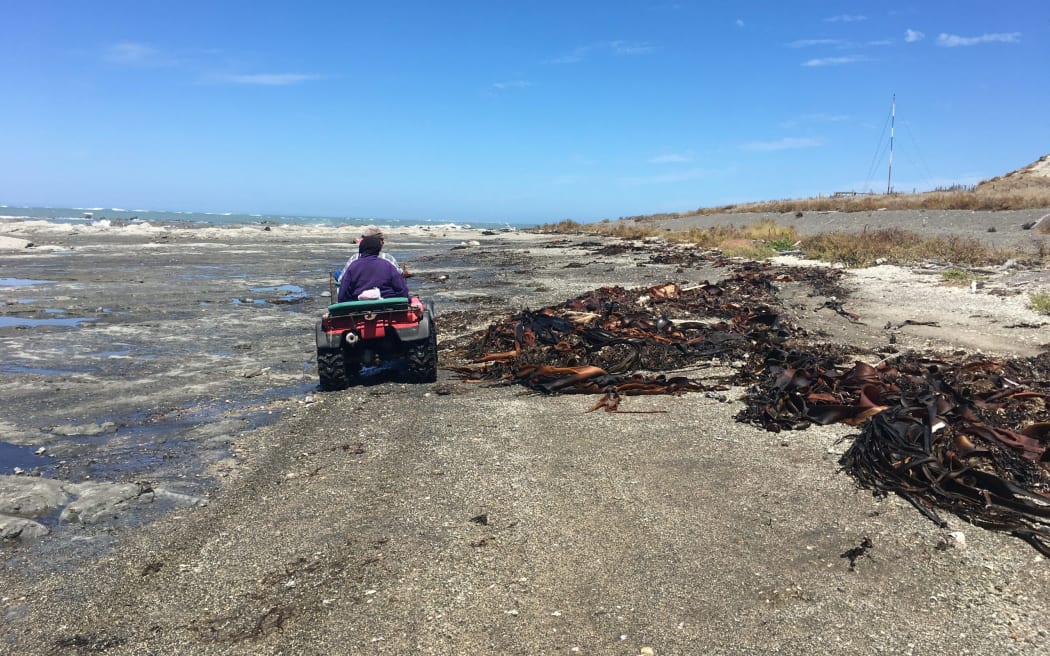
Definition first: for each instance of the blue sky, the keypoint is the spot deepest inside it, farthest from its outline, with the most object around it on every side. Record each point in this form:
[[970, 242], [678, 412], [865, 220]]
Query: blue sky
[[527, 111]]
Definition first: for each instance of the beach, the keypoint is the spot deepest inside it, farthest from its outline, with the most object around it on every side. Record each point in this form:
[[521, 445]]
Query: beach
[[206, 497]]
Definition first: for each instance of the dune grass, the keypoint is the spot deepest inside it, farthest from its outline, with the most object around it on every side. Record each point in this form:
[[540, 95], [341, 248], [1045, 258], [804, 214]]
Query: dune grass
[[959, 199], [955, 276], [897, 246], [765, 238], [1039, 302]]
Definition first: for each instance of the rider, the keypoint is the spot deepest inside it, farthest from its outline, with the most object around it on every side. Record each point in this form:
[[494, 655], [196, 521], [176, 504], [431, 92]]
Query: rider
[[369, 275], [373, 231]]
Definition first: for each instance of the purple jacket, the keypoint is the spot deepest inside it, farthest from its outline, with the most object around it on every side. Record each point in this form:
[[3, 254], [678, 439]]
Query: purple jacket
[[370, 271]]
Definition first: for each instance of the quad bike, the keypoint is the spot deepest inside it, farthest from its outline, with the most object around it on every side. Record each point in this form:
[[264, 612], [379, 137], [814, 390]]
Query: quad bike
[[356, 334]]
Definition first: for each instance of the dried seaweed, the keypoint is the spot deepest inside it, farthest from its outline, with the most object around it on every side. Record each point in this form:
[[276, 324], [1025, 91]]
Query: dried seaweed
[[967, 436], [615, 342]]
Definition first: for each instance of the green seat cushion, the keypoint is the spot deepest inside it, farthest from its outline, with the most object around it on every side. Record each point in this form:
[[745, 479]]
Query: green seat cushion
[[351, 307]]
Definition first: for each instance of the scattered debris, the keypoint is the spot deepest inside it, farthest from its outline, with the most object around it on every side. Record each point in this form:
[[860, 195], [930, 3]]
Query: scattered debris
[[857, 552]]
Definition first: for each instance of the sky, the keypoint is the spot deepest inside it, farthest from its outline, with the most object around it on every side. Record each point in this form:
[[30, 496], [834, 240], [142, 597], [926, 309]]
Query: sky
[[525, 111]]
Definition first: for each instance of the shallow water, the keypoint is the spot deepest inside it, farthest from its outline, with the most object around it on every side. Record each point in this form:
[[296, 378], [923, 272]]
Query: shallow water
[[22, 282], [22, 322], [22, 457], [159, 359]]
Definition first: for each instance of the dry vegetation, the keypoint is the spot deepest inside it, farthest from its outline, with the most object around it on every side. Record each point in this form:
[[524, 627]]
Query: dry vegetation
[[766, 238], [1027, 188], [1039, 302], [956, 199]]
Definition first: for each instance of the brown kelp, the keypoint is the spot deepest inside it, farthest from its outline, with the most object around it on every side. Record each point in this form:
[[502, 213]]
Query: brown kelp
[[969, 436], [614, 342]]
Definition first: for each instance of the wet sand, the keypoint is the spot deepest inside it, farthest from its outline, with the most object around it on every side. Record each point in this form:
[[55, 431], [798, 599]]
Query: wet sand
[[453, 518]]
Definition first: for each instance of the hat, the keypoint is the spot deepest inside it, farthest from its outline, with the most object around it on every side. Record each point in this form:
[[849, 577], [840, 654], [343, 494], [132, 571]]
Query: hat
[[372, 231]]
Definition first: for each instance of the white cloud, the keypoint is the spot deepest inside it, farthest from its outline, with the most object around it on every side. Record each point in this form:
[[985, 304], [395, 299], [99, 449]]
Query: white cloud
[[834, 61], [805, 43], [952, 40], [513, 84], [133, 53], [270, 79], [626, 48], [670, 158], [787, 143], [911, 36], [614, 47], [845, 19]]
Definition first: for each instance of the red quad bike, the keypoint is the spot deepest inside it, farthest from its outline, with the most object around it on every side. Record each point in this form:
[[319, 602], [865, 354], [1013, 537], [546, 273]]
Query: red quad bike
[[366, 333]]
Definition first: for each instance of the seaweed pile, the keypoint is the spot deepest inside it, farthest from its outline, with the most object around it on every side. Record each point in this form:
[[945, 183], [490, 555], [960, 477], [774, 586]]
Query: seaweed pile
[[611, 340], [967, 436], [970, 437]]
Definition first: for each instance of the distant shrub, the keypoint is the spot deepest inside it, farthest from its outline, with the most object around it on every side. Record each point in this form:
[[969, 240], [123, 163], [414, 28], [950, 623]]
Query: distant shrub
[[753, 252], [899, 246], [568, 226], [1039, 302], [959, 277]]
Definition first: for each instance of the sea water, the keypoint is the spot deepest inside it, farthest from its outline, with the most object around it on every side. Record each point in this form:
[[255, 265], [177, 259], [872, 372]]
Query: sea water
[[118, 215]]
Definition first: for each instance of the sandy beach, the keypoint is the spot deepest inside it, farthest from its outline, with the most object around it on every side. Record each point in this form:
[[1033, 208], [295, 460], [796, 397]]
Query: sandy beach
[[196, 493]]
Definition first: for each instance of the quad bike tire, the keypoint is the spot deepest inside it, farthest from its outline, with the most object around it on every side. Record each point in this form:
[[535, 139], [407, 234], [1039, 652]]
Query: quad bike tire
[[422, 360], [332, 370]]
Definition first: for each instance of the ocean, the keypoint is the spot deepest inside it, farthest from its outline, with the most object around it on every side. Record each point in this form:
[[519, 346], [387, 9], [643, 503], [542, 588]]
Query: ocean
[[177, 218]]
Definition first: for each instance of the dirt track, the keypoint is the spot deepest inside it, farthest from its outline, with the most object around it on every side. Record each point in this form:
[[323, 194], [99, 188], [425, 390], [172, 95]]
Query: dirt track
[[460, 518]]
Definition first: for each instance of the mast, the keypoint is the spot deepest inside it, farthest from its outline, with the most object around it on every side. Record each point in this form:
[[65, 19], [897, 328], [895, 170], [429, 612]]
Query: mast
[[889, 175]]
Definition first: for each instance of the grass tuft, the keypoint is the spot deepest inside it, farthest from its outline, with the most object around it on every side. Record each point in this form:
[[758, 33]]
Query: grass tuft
[[959, 276], [1039, 302]]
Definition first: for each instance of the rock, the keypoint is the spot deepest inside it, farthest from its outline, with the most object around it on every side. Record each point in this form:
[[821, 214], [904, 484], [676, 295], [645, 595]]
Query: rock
[[178, 498], [14, 244], [97, 501], [224, 429], [86, 430], [12, 434], [20, 528], [24, 496]]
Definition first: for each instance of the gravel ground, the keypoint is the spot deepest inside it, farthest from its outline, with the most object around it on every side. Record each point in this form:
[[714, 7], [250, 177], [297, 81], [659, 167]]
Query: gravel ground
[[457, 518]]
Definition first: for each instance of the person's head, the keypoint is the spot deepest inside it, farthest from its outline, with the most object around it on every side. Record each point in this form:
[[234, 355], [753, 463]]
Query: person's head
[[370, 245], [372, 231]]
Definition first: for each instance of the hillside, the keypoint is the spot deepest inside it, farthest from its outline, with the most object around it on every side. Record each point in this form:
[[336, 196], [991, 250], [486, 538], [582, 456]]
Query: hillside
[[1034, 178]]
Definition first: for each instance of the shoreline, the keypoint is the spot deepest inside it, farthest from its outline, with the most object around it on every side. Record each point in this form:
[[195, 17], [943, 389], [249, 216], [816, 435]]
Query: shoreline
[[351, 522]]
